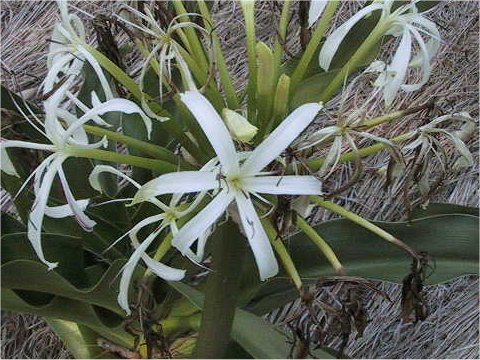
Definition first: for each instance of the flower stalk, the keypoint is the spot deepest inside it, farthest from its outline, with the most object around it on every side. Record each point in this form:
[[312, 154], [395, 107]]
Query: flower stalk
[[221, 293], [313, 44], [337, 209], [321, 244], [159, 166]]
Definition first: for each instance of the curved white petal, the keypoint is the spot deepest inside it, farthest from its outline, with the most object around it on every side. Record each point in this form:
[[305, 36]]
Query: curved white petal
[[80, 136], [280, 138], [193, 229], [283, 185], [179, 182], [425, 63], [94, 181], [333, 42], [35, 219], [98, 71], [214, 127], [83, 220], [121, 105], [26, 145], [258, 239], [6, 164], [57, 66], [62, 211], [398, 66], [315, 11], [163, 271]]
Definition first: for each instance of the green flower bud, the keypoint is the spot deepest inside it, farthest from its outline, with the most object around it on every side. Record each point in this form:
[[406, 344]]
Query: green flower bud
[[265, 69], [239, 127], [280, 104]]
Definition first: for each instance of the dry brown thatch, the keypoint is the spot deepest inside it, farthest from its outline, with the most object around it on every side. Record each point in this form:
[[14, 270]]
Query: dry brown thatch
[[451, 330]]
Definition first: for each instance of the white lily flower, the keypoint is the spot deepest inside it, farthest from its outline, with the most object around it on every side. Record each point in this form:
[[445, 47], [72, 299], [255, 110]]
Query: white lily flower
[[67, 52], [60, 141], [164, 53], [168, 218], [235, 180], [404, 22], [315, 11]]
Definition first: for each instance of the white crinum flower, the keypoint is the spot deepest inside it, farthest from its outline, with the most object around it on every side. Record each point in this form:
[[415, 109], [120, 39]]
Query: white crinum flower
[[165, 50], [168, 217], [404, 22], [67, 53], [235, 180], [315, 11], [61, 139]]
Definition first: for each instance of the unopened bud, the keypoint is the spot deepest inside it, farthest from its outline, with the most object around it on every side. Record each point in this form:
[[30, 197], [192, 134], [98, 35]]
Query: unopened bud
[[265, 69], [280, 104], [239, 127]]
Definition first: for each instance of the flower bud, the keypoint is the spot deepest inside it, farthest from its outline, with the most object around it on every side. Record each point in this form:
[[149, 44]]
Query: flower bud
[[239, 127], [280, 104], [265, 72]]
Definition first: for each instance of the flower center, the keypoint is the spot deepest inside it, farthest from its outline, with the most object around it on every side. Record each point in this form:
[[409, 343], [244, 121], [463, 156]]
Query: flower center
[[235, 182], [171, 215]]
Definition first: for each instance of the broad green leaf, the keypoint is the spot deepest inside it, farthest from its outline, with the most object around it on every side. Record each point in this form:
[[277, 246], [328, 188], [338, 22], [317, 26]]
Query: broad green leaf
[[259, 338], [80, 340], [450, 240], [443, 209], [69, 310]]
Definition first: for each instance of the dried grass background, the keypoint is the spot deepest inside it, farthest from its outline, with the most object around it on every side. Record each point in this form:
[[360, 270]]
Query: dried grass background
[[451, 330]]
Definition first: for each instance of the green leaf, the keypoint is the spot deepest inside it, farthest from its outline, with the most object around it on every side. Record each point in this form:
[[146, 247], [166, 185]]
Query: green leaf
[[80, 340], [70, 310], [259, 338], [443, 209], [309, 89], [451, 241]]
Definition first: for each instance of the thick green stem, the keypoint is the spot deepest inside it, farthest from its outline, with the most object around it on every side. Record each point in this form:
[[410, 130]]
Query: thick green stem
[[357, 59], [395, 115], [159, 166], [143, 146], [221, 293], [321, 244], [337, 209], [312, 46], [282, 253]]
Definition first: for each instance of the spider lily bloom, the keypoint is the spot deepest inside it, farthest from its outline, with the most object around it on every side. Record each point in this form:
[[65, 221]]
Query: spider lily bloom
[[315, 11], [427, 143], [168, 218], [67, 53], [165, 51], [236, 181], [61, 141], [404, 22]]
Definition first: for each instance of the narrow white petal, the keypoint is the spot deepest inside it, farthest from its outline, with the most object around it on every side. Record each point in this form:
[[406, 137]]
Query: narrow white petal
[[94, 180], [120, 105], [179, 182], [26, 145], [163, 271], [214, 127], [281, 138], [83, 220], [193, 229], [283, 185], [258, 239], [6, 164], [62, 211], [333, 42], [398, 66], [425, 64], [98, 71], [35, 219], [315, 11]]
